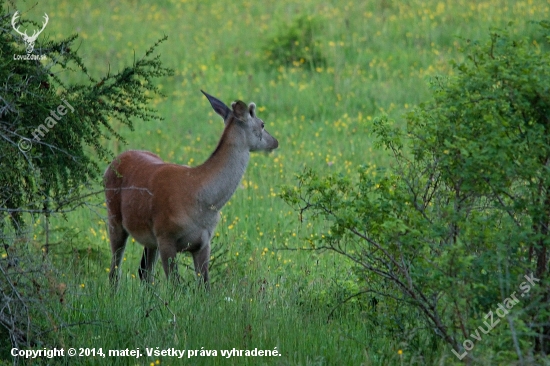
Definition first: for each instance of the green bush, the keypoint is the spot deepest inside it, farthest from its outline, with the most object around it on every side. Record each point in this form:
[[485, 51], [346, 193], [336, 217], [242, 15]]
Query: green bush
[[296, 44], [463, 214]]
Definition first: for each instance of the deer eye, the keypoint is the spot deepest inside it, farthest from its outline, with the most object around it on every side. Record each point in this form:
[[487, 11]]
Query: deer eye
[[263, 124]]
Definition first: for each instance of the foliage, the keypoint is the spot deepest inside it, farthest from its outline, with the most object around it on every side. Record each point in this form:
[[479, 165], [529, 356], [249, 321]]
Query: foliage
[[51, 129], [463, 215], [296, 44], [30, 314]]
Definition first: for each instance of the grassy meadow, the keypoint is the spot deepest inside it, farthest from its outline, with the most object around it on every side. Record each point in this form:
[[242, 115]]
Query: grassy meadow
[[268, 290]]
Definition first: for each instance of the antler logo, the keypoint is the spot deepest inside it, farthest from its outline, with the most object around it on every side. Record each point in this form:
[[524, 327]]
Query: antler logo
[[29, 40]]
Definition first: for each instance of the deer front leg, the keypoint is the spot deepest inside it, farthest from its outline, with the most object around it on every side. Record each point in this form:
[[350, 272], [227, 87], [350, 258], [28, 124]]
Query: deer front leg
[[168, 251], [201, 258], [147, 264]]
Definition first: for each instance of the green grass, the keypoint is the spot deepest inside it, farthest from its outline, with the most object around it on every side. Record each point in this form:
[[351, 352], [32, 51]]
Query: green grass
[[244, 313], [379, 56]]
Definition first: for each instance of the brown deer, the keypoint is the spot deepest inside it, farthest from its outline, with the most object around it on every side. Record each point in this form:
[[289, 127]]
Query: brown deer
[[170, 208]]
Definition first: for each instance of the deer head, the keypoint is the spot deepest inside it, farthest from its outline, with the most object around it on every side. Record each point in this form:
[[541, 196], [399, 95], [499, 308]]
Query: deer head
[[257, 138], [29, 40]]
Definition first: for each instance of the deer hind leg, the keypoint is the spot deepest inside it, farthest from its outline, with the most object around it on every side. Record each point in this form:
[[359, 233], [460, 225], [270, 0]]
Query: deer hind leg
[[118, 236], [147, 264]]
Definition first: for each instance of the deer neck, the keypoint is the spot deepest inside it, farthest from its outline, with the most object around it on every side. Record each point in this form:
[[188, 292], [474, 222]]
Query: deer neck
[[224, 169]]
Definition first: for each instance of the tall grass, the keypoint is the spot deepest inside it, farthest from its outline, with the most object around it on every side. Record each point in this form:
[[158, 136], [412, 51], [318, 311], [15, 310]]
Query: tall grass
[[243, 313], [379, 56]]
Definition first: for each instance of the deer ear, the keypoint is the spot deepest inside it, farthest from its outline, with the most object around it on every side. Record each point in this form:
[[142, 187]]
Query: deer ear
[[252, 109], [218, 106], [239, 108]]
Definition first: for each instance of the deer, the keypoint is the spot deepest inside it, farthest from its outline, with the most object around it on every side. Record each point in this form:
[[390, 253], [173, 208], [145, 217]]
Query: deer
[[170, 208], [29, 40]]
